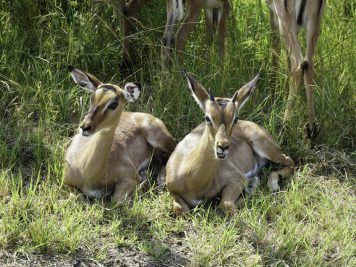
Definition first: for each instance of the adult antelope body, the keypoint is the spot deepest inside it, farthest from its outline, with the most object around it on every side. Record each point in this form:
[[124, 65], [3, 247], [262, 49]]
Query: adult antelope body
[[113, 149], [286, 17], [221, 154], [216, 14], [126, 12]]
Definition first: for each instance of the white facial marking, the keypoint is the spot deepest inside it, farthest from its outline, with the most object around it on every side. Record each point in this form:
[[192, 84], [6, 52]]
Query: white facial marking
[[221, 154], [99, 91], [84, 133], [108, 104]]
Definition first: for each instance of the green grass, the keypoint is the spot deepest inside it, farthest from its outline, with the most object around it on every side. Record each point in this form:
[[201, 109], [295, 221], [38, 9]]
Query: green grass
[[309, 223]]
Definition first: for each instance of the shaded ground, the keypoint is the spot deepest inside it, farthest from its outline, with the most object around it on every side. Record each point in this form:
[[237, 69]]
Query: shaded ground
[[123, 256]]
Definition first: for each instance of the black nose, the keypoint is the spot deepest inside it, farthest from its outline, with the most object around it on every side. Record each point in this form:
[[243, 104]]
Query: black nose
[[85, 129], [223, 147]]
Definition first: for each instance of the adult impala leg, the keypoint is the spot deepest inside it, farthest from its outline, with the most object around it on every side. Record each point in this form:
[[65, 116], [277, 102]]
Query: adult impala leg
[[174, 13], [194, 8], [312, 34], [276, 47], [209, 24], [118, 6], [284, 11], [222, 23], [288, 31], [130, 11]]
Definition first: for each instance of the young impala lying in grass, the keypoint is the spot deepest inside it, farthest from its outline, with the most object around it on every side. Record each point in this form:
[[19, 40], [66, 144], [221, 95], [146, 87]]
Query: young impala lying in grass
[[113, 149], [221, 154]]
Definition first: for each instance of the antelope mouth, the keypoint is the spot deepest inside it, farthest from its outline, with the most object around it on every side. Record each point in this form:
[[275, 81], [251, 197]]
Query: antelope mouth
[[221, 155]]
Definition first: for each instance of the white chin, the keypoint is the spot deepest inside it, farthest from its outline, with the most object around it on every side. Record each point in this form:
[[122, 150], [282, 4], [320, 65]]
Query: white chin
[[84, 133]]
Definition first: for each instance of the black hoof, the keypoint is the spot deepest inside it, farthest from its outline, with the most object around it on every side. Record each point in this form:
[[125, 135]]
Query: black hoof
[[312, 133]]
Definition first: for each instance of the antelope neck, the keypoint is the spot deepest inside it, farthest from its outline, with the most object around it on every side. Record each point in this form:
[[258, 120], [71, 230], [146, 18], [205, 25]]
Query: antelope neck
[[203, 162], [96, 153]]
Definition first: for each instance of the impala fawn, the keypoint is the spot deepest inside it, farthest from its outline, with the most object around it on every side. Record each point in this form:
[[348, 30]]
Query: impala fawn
[[113, 148], [222, 154]]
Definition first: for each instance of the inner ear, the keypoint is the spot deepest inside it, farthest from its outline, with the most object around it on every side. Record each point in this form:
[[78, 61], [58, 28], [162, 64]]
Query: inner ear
[[198, 92], [132, 91], [242, 95], [83, 79]]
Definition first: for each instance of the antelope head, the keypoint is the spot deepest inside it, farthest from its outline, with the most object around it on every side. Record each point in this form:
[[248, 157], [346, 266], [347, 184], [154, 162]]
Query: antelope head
[[221, 114], [106, 103]]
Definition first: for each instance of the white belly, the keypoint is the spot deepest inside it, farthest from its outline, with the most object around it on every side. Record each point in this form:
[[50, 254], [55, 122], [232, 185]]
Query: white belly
[[214, 4]]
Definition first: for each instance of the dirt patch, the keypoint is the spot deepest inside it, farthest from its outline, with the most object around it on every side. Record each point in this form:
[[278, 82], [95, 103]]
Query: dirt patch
[[118, 257]]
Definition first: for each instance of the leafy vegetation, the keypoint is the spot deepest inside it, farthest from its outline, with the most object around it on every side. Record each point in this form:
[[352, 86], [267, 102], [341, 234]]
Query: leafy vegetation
[[309, 223]]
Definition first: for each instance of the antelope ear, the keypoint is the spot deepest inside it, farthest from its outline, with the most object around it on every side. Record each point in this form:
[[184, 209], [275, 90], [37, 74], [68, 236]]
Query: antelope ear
[[84, 80], [242, 95], [198, 92], [132, 91]]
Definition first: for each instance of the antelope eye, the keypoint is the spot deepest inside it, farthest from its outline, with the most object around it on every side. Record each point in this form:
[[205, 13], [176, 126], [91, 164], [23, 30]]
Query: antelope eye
[[235, 120], [113, 105], [207, 119]]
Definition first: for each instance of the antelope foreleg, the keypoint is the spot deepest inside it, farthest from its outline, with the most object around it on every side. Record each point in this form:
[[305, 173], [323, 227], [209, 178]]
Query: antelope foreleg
[[124, 189], [231, 193], [179, 205]]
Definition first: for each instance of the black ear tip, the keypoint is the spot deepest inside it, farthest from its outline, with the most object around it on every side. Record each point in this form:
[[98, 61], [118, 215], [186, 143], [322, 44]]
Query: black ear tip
[[138, 85], [133, 84], [184, 71], [70, 68], [188, 76]]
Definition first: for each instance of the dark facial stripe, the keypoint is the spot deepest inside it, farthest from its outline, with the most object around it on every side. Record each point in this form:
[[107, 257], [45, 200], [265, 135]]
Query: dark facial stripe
[[108, 87], [301, 12], [95, 111], [223, 121], [321, 2], [215, 17]]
